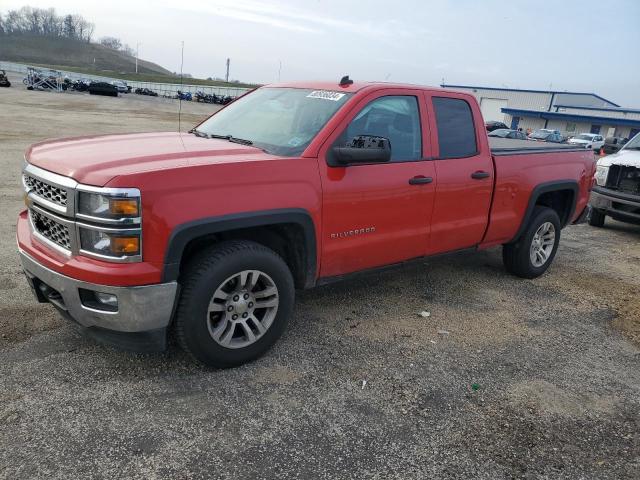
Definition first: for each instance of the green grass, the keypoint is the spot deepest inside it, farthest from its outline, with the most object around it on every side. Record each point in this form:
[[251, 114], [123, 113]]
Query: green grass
[[89, 58], [144, 77]]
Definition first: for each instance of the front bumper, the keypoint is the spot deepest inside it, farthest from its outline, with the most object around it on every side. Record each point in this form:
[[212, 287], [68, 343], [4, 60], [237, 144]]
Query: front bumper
[[620, 206], [140, 322]]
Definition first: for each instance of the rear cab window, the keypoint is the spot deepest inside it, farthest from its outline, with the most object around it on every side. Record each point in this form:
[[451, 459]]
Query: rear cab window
[[456, 129]]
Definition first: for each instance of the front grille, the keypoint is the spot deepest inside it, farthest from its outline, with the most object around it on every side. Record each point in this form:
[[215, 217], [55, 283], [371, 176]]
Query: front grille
[[624, 179], [51, 230], [47, 191]]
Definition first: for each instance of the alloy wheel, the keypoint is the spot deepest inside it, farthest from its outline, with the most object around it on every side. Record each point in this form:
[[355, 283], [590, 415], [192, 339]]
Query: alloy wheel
[[242, 309], [542, 244]]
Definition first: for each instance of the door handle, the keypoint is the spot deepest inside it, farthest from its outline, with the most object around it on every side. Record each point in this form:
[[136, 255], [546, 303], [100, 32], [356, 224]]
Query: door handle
[[479, 175], [420, 180]]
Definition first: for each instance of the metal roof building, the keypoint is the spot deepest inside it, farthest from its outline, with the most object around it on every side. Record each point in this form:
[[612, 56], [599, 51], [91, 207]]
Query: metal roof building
[[571, 113]]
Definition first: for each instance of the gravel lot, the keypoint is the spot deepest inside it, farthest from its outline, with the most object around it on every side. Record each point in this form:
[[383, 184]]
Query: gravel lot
[[506, 378]]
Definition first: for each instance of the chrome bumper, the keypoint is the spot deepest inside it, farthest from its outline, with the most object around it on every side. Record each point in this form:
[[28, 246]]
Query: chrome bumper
[[616, 204], [140, 309]]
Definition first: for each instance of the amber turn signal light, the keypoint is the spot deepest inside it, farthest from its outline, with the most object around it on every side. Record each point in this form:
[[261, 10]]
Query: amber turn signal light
[[125, 245], [123, 206]]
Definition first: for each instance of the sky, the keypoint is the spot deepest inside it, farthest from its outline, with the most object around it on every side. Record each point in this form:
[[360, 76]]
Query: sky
[[543, 44]]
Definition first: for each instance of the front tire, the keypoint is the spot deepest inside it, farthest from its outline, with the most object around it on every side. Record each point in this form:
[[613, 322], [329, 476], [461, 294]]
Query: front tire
[[534, 252], [596, 218], [236, 300]]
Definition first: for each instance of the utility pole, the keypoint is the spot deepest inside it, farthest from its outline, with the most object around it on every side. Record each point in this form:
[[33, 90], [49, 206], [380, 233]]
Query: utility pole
[[279, 69], [137, 51], [226, 78]]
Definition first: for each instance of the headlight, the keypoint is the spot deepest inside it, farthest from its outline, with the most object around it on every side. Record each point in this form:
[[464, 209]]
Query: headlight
[[112, 243], [601, 175], [109, 226], [119, 207]]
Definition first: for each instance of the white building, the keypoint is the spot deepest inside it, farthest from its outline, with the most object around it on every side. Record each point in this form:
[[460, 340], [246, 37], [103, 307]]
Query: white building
[[569, 112]]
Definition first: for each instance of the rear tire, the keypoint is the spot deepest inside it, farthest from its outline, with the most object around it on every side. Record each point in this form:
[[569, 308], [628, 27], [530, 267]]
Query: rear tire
[[596, 218], [534, 252], [236, 300]]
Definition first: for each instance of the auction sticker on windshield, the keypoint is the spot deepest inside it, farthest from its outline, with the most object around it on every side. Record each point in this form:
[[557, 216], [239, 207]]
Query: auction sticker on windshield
[[326, 95]]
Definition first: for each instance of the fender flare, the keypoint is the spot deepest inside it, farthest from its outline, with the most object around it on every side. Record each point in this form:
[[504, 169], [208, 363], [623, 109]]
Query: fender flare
[[538, 190], [186, 232]]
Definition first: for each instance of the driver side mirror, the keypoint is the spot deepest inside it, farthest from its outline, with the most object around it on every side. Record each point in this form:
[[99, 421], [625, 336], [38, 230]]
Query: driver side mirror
[[362, 149]]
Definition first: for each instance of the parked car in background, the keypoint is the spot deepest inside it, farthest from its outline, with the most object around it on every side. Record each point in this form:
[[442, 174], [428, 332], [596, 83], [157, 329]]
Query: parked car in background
[[613, 144], [492, 125], [146, 91], [508, 133], [587, 140], [103, 88], [545, 135], [121, 86], [617, 190]]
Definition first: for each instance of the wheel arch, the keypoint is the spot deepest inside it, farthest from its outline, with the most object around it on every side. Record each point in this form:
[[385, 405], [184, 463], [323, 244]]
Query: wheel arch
[[560, 195], [290, 232]]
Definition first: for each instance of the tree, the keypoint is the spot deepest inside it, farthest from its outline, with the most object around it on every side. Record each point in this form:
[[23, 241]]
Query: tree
[[69, 27], [111, 42], [45, 21]]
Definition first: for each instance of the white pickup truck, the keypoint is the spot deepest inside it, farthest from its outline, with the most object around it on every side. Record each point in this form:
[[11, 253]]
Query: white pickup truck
[[617, 193], [587, 140]]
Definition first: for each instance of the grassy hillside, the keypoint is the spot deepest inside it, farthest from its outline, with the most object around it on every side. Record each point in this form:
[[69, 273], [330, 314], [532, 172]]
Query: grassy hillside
[[77, 56], [41, 50]]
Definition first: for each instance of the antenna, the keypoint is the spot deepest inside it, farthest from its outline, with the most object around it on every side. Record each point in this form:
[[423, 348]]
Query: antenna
[[180, 95], [345, 81]]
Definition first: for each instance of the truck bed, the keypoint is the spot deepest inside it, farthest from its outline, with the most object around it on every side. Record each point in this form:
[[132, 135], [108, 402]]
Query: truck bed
[[525, 169], [509, 146]]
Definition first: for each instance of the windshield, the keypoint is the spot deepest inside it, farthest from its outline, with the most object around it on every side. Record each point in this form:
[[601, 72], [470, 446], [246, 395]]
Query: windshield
[[584, 137], [540, 134], [280, 121], [633, 144], [500, 133]]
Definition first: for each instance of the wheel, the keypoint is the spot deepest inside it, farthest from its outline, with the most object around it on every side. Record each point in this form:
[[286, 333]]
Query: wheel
[[532, 254], [596, 218], [236, 300]]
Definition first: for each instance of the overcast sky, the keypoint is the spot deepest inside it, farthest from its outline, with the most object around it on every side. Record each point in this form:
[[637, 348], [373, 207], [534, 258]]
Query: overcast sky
[[570, 45]]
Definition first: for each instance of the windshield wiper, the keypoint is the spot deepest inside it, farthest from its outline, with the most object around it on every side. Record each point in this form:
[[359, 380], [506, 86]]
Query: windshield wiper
[[231, 138], [241, 141], [198, 133]]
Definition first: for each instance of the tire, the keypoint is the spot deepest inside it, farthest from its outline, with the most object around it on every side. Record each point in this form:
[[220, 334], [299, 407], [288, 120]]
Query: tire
[[596, 218], [212, 295], [517, 257]]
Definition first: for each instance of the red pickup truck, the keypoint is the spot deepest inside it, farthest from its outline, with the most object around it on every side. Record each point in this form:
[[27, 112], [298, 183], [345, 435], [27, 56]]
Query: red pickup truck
[[207, 234]]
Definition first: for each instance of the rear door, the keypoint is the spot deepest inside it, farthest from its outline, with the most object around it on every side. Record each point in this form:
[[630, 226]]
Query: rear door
[[378, 214], [464, 169]]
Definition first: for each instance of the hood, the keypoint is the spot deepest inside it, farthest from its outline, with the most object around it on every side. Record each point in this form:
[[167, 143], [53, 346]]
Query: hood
[[627, 158], [96, 160]]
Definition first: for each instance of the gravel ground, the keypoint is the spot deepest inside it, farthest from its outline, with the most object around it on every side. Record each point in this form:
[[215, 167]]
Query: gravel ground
[[506, 378]]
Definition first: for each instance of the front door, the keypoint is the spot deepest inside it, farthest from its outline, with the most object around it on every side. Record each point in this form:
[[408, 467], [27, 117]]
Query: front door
[[464, 168], [378, 214]]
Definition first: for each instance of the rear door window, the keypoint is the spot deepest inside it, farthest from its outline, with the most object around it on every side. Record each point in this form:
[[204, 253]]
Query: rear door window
[[456, 130]]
